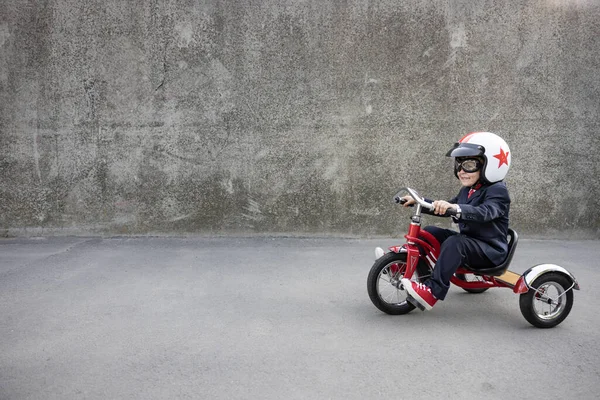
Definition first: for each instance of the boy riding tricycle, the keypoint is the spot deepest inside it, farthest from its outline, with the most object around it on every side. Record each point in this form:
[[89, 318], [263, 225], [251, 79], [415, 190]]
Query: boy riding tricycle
[[419, 273]]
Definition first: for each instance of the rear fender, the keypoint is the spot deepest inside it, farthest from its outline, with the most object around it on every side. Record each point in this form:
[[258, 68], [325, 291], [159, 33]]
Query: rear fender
[[533, 273]]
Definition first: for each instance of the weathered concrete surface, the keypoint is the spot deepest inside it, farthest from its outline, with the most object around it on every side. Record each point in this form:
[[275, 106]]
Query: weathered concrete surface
[[289, 116], [264, 318]]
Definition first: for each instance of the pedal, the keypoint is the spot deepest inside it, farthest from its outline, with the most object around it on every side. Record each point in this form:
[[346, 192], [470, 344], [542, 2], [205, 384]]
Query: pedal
[[414, 302]]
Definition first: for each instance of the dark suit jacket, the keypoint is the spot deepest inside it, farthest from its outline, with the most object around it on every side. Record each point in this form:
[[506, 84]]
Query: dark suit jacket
[[485, 218]]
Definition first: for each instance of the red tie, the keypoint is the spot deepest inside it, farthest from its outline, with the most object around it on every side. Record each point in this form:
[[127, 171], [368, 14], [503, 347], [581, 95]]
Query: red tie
[[473, 189]]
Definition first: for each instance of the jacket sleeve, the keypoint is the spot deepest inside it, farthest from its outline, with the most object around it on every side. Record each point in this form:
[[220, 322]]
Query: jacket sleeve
[[495, 205]]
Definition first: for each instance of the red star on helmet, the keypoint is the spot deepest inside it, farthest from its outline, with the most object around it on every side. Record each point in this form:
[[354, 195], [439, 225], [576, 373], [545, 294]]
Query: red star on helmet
[[502, 157]]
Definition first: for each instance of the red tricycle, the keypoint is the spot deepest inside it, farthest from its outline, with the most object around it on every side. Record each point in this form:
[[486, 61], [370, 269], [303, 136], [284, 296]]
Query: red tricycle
[[546, 290]]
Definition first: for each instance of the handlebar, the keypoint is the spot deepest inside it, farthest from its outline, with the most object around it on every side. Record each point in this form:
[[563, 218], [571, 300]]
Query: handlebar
[[420, 200]]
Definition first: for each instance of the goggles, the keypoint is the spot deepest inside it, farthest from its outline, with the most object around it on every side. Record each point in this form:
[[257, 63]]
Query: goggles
[[467, 165]]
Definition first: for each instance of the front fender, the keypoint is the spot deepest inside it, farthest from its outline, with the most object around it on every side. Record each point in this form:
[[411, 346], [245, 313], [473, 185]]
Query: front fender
[[534, 272], [379, 252]]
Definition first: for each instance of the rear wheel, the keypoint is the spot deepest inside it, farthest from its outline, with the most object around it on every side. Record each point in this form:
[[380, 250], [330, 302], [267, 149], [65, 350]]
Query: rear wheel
[[471, 278], [549, 301], [384, 286]]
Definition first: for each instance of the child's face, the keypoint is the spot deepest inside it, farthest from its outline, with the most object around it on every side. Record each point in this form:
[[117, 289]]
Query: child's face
[[468, 178], [465, 164]]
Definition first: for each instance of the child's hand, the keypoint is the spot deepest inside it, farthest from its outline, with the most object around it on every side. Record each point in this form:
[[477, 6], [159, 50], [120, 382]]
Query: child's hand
[[441, 206]]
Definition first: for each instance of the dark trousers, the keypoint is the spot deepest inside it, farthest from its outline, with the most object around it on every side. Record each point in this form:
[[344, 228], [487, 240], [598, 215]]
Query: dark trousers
[[456, 250]]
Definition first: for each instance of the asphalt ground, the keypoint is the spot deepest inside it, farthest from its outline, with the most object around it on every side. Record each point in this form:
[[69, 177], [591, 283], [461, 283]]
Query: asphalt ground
[[274, 318]]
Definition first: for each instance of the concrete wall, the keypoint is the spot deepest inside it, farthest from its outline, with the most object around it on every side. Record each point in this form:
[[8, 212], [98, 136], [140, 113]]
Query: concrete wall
[[298, 116]]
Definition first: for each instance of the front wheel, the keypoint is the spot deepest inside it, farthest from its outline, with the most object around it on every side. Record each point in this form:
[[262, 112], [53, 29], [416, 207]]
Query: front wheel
[[383, 283], [549, 300]]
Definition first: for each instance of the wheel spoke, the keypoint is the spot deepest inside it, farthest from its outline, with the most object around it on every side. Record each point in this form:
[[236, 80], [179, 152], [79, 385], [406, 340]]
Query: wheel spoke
[[388, 283], [549, 301], [385, 285], [546, 303], [390, 297]]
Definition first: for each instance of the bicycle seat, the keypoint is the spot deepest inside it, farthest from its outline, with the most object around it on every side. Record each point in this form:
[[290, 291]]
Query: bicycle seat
[[498, 270]]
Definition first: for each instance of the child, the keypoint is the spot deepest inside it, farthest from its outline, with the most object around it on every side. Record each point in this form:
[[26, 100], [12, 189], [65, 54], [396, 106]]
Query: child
[[482, 160]]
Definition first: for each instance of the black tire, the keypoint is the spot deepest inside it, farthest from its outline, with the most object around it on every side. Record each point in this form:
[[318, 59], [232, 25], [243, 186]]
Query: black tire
[[463, 277], [535, 305], [385, 275]]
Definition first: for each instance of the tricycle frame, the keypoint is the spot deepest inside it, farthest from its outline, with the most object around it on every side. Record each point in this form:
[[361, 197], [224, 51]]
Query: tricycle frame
[[534, 285]]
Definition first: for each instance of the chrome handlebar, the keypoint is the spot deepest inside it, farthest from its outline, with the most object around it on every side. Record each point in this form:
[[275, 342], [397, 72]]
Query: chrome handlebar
[[415, 195]]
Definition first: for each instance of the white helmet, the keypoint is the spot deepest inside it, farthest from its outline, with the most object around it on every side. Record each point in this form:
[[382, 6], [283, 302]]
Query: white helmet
[[489, 146]]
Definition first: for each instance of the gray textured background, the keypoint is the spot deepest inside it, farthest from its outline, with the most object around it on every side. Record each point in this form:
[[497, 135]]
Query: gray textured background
[[289, 116]]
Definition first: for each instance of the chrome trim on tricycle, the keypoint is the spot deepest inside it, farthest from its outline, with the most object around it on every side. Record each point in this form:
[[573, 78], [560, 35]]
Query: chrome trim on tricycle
[[534, 272]]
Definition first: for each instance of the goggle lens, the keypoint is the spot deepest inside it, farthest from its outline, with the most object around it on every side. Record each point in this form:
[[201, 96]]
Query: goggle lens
[[470, 165]]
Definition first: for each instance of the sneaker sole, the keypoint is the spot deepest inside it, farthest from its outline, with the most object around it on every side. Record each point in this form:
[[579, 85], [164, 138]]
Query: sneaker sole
[[414, 302], [422, 304]]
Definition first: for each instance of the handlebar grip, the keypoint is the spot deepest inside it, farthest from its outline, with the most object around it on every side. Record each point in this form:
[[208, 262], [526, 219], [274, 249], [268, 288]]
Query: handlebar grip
[[448, 213], [399, 200]]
